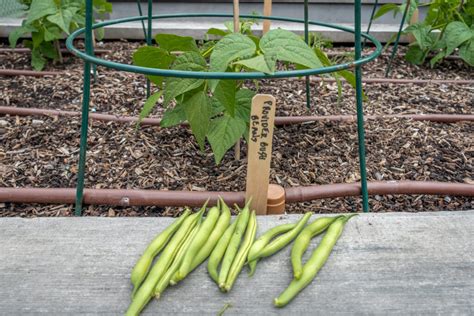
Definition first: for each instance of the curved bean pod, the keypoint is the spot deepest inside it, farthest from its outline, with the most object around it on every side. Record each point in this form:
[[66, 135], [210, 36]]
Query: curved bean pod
[[244, 249], [262, 241], [178, 260], [302, 242], [141, 268], [221, 226], [145, 292], [198, 242], [315, 263], [219, 250], [283, 240], [233, 246]]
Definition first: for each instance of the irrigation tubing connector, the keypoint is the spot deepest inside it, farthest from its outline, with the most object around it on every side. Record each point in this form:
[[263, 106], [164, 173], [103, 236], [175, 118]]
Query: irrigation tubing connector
[[279, 120], [163, 198]]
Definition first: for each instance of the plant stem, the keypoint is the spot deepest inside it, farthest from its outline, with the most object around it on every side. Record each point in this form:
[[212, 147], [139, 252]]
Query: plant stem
[[58, 49], [237, 150]]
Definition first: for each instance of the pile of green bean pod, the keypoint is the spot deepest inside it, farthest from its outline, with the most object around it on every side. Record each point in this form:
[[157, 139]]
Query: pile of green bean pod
[[192, 238], [317, 259]]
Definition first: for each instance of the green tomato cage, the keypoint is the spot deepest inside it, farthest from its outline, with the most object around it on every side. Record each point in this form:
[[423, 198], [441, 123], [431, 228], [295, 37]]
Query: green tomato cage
[[90, 60]]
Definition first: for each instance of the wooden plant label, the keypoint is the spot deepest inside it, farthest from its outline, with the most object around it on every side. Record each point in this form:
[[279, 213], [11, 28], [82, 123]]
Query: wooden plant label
[[262, 118]]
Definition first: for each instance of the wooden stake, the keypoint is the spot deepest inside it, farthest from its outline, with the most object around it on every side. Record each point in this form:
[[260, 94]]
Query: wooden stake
[[236, 30], [267, 11], [262, 118], [236, 16]]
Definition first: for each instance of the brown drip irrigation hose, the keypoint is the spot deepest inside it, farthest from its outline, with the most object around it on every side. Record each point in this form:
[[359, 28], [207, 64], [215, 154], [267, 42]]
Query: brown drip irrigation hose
[[119, 197], [14, 72], [280, 120], [122, 197], [97, 51], [314, 192], [395, 81], [18, 72]]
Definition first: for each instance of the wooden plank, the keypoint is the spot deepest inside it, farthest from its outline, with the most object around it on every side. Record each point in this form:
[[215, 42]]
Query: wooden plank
[[262, 118], [387, 263]]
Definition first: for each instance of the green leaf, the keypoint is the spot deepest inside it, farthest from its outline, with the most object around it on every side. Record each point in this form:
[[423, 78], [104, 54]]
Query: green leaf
[[225, 93], [322, 57], [385, 9], [37, 60], [41, 8], [191, 61], [466, 52], [217, 32], [415, 55], [257, 63], [63, 18], [149, 105], [437, 58], [153, 57], [37, 38], [52, 33], [99, 33], [174, 116], [174, 43], [198, 111], [287, 46], [224, 133], [48, 50], [19, 32], [217, 107], [421, 32], [243, 101], [228, 49], [455, 34]]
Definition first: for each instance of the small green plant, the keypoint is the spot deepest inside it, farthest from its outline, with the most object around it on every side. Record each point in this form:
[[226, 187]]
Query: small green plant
[[448, 26], [219, 110], [47, 20]]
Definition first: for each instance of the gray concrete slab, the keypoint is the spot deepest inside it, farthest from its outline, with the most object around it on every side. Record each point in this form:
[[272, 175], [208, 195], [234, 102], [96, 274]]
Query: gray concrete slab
[[393, 263]]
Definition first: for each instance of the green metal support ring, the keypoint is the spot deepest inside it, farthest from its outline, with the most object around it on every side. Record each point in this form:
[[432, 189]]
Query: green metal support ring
[[219, 75]]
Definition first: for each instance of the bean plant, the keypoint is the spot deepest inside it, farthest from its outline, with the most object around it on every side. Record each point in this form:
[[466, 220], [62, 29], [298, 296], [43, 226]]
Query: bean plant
[[448, 27], [47, 21], [219, 110]]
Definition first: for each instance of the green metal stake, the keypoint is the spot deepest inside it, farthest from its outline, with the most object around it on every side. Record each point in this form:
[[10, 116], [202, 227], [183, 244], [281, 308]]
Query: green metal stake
[[85, 111], [148, 40], [395, 45], [306, 39], [360, 110], [139, 5], [370, 21]]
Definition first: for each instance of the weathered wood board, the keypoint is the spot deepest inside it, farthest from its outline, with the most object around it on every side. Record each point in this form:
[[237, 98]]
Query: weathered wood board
[[393, 263]]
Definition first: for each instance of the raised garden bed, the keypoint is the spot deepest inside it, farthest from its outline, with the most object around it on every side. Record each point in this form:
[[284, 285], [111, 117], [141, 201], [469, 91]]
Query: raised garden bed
[[42, 152]]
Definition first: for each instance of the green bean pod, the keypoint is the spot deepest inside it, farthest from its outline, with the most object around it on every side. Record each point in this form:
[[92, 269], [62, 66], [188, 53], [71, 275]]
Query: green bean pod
[[178, 260], [216, 255], [221, 226], [262, 241], [281, 241], [302, 242], [242, 254], [233, 246], [315, 263], [198, 242], [141, 268], [145, 292]]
